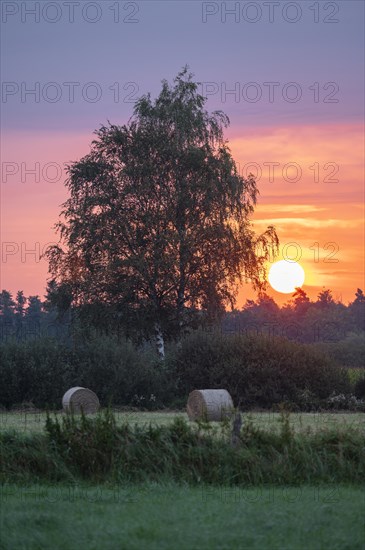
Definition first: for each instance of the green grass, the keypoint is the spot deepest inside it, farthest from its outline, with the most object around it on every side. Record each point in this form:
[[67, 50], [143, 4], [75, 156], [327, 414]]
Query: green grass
[[158, 517], [286, 487], [28, 422], [97, 449]]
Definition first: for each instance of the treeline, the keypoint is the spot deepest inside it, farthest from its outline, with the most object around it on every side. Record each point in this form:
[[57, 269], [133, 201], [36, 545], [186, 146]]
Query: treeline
[[26, 318], [337, 328], [300, 319], [334, 328]]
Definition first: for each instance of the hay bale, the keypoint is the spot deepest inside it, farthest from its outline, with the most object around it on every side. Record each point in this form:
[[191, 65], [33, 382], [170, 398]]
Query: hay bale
[[210, 405], [79, 399]]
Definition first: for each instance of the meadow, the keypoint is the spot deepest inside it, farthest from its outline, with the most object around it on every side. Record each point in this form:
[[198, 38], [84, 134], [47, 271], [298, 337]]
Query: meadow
[[293, 495], [165, 516], [33, 421]]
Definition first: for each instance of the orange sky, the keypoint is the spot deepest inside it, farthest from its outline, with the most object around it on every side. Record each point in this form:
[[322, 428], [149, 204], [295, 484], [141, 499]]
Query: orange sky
[[309, 211], [304, 211]]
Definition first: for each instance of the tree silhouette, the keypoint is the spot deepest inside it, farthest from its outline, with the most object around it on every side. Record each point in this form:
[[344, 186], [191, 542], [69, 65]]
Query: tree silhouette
[[357, 310], [158, 219], [20, 302], [33, 315], [325, 298], [266, 303], [7, 305], [300, 300], [7, 316], [360, 298]]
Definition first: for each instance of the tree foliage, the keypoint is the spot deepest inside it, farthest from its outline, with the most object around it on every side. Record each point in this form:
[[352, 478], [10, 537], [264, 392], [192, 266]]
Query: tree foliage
[[158, 217]]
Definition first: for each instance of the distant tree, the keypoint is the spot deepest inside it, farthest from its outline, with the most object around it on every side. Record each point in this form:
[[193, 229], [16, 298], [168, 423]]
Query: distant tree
[[20, 302], [300, 301], [7, 317], [357, 310], [33, 315], [267, 303], [325, 298], [249, 304], [258, 316], [360, 298], [34, 308], [57, 309], [326, 319], [7, 305], [58, 298], [266, 314], [158, 219]]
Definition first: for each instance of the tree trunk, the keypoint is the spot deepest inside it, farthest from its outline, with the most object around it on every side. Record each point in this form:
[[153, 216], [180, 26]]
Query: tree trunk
[[180, 310], [160, 342]]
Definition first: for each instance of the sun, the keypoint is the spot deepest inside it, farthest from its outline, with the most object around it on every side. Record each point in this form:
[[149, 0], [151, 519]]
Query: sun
[[285, 276]]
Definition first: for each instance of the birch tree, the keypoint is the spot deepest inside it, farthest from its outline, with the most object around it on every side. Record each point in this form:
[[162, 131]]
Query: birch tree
[[157, 221]]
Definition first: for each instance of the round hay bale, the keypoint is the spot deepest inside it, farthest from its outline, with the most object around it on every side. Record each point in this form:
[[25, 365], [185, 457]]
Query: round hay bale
[[209, 405], [79, 399]]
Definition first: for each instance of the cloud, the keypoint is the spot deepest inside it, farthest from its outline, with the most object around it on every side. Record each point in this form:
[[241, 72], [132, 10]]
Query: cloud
[[294, 208], [311, 222]]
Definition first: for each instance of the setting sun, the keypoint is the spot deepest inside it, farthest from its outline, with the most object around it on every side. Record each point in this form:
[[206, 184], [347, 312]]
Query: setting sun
[[285, 276]]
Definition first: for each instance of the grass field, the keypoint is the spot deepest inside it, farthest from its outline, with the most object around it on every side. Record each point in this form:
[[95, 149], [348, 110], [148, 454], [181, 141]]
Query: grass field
[[34, 421], [167, 515], [157, 516]]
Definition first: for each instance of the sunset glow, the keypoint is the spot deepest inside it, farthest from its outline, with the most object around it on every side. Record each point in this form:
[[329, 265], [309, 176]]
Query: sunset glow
[[307, 155]]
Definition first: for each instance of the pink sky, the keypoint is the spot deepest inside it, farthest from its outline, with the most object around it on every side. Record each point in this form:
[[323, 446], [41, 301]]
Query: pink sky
[[304, 211]]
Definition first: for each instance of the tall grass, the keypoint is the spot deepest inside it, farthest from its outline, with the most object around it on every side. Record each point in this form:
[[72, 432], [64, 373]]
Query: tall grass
[[97, 449]]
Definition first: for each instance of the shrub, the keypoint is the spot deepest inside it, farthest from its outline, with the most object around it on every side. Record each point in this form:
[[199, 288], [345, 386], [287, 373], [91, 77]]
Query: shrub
[[347, 402], [35, 371], [359, 389], [120, 374], [349, 352], [42, 370], [257, 371]]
